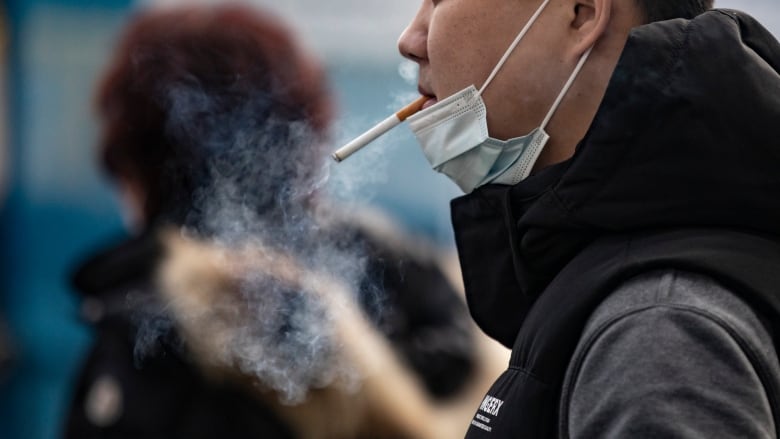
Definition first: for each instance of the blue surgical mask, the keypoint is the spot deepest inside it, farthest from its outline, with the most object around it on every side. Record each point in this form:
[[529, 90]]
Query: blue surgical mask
[[454, 136]]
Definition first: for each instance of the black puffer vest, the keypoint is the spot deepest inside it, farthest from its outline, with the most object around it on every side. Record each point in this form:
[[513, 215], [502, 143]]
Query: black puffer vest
[[523, 403], [679, 170]]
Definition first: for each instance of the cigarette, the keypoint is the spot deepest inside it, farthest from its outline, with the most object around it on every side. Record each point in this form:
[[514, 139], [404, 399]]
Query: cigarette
[[379, 129]]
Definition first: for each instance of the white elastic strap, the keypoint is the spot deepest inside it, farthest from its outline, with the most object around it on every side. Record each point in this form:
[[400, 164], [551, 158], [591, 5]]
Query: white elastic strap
[[513, 45], [566, 88]]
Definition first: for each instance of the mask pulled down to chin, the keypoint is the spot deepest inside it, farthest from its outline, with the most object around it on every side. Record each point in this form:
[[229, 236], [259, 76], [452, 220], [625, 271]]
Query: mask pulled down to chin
[[453, 134]]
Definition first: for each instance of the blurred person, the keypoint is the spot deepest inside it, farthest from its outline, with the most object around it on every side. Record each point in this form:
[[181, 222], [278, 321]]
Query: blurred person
[[620, 229], [214, 124]]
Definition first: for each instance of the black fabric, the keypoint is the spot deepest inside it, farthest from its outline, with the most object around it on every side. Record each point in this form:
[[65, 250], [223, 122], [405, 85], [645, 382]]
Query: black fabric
[[530, 389], [409, 299], [495, 277], [127, 263], [422, 316], [164, 395]]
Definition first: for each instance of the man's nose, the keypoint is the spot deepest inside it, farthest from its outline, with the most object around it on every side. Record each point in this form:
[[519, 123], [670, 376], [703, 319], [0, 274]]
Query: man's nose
[[413, 43]]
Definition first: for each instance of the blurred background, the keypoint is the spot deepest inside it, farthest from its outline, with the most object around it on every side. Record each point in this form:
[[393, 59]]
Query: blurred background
[[56, 207]]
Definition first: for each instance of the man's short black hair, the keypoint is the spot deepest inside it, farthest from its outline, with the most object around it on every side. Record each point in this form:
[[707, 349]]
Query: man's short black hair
[[659, 10]]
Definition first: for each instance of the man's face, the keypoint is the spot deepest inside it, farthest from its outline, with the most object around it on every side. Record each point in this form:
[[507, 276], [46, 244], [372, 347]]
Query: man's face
[[457, 43]]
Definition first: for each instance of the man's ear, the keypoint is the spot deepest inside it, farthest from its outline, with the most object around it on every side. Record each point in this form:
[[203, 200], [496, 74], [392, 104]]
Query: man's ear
[[589, 22]]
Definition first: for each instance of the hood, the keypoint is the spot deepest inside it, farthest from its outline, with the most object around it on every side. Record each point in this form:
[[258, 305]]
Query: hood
[[686, 136]]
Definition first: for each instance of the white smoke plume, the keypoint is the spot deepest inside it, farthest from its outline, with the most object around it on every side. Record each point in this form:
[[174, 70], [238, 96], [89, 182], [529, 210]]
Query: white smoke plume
[[256, 181]]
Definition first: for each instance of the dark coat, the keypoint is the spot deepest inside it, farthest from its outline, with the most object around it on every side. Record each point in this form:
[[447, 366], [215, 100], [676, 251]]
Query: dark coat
[[140, 382]]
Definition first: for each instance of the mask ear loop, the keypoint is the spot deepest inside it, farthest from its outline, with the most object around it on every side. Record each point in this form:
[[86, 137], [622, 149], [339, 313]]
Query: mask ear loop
[[513, 46], [565, 89]]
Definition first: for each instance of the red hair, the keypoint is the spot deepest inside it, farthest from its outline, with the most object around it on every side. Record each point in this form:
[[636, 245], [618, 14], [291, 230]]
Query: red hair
[[232, 54]]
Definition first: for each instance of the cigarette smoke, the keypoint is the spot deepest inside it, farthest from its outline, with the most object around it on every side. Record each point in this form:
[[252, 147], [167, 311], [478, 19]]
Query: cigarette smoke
[[288, 342], [408, 70], [154, 327], [255, 179]]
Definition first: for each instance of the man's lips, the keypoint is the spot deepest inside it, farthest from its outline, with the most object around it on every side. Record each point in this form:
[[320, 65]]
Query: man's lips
[[431, 97]]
